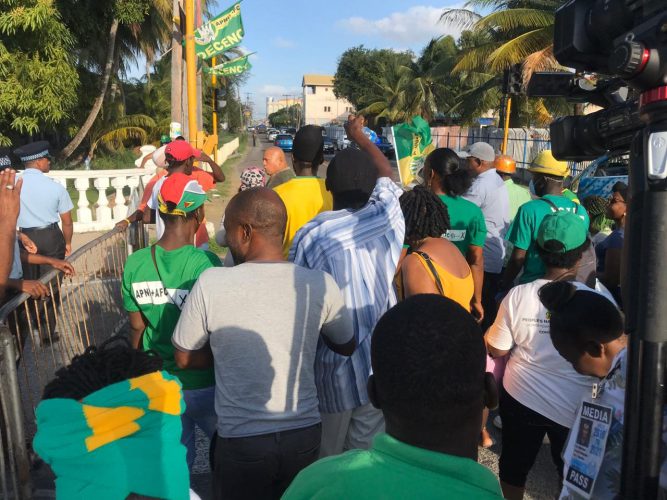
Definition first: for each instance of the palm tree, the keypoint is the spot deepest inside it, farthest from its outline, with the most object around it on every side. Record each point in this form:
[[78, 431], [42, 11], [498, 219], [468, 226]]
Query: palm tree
[[516, 31], [129, 33]]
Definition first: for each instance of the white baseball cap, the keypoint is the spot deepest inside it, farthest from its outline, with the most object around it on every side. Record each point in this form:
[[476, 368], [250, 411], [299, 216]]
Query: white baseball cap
[[480, 150]]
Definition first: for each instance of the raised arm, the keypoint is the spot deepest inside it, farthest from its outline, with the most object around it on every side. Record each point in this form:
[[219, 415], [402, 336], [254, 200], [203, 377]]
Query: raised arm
[[355, 133], [10, 192], [216, 171]]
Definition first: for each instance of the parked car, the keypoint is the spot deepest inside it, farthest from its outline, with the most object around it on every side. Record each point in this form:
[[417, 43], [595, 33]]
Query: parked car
[[291, 131], [343, 142], [271, 134], [328, 148], [284, 142], [600, 176], [386, 147]]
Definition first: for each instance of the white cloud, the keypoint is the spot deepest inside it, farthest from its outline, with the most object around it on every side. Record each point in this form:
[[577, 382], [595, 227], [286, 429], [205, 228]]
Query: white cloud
[[416, 25], [283, 43]]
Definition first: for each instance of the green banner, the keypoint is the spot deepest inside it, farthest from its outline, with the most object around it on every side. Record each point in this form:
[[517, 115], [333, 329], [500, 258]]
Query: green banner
[[412, 143], [220, 34], [230, 68]]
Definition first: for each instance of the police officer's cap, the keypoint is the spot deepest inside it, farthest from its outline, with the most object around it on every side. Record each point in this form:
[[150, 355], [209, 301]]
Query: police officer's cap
[[5, 160], [33, 151]]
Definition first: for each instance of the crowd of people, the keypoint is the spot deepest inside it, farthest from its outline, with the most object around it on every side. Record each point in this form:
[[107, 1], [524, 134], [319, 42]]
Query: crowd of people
[[357, 335]]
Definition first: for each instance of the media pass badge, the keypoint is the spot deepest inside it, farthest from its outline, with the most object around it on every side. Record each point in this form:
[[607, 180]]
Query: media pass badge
[[584, 454]]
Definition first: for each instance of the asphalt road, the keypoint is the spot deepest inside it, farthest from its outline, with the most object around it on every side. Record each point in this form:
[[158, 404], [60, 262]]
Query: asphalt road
[[542, 481]]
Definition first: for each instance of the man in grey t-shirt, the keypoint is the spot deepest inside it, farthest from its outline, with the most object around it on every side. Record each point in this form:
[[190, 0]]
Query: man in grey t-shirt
[[259, 323]]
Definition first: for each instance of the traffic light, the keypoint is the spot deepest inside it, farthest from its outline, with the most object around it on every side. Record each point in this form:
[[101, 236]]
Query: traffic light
[[219, 95], [513, 80]]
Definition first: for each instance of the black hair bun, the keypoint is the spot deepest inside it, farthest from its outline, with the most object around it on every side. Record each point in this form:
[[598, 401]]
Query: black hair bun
[[555, 295]]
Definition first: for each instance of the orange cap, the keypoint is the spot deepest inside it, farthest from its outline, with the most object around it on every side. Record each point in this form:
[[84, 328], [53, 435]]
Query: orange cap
[[505, 164]]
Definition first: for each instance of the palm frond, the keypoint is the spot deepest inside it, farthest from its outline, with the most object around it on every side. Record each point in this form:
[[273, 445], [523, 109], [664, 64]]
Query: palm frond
[[462, 18], [113, 139], [517, 49], [516, 19]]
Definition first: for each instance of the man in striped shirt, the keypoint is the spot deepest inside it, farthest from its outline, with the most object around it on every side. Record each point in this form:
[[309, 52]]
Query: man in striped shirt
[[359, 244]]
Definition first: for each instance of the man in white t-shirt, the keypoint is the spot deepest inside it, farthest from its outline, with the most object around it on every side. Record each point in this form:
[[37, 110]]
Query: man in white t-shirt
[[541, 390], [259, 324]]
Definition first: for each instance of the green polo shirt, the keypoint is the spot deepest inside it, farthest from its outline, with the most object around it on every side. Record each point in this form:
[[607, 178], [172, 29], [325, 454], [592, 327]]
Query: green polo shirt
[[393, 469], [466, 220], [523, 231]]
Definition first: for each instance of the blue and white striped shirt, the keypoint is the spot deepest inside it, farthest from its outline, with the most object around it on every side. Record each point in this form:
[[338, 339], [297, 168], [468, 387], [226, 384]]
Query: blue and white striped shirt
[[360, 249]]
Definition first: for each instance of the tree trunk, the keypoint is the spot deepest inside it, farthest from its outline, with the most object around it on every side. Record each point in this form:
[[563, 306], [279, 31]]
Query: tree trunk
[[99, 100]]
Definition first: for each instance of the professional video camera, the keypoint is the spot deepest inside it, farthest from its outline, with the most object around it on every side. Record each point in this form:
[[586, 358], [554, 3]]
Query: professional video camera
[[625, 39]]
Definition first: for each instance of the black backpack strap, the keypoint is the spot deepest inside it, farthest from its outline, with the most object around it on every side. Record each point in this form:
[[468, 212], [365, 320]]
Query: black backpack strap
[[553, 206]]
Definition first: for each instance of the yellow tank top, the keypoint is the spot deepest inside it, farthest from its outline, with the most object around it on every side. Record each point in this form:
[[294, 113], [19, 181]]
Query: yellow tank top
[[460, 290]]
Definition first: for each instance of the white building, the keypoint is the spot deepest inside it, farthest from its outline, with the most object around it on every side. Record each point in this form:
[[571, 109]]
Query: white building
[[321, 106]]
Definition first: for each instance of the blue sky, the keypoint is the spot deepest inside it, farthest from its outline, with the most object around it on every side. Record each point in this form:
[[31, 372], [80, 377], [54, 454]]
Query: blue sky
[[298, 36]]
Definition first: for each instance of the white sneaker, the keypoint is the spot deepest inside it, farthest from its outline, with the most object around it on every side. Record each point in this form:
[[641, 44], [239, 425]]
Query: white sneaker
[[497, 422]]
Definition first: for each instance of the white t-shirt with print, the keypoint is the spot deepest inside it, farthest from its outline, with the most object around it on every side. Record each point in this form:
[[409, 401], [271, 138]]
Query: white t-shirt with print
[[536, 375]]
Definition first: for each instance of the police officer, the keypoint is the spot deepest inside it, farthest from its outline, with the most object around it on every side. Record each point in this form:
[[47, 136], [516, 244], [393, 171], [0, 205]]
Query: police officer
[[44, 203]]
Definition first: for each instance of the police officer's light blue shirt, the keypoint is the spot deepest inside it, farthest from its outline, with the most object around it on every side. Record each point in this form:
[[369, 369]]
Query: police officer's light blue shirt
[[17, 269], [488, 192], [42, 200]]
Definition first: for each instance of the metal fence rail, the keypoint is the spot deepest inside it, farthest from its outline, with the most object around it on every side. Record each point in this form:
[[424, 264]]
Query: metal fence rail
[[82, 310]]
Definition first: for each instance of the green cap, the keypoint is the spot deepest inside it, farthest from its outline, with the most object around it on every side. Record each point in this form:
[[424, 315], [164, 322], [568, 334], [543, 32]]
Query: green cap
[[165, 139], [564, 227]]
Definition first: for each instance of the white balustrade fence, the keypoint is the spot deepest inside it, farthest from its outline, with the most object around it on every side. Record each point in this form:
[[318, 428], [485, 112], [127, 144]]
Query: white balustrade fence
[[101, 216]]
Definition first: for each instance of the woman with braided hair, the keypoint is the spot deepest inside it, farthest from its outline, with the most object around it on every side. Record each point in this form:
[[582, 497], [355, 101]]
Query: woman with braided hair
[[432, 264]]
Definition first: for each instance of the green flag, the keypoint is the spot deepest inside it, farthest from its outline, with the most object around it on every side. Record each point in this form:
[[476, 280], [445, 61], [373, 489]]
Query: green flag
[[230, 68], [220, 34], [412, 142]]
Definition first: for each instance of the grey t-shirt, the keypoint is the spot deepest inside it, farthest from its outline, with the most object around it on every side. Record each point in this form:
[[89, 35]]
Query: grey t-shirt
[[263, 321]]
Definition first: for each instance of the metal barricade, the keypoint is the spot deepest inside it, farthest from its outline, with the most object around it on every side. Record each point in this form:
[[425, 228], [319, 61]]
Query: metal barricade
[[44, 335]]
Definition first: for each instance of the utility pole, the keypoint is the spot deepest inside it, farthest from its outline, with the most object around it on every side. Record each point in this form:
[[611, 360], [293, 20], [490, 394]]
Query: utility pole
[[176, 67], [191, 69]]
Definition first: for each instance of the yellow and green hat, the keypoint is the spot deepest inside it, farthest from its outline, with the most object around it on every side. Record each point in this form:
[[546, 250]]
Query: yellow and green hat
[[183, 191], [566, 228], [545, 163]]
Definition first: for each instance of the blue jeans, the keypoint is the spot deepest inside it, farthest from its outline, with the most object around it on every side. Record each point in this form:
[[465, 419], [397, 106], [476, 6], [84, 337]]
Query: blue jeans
[[199, 410]]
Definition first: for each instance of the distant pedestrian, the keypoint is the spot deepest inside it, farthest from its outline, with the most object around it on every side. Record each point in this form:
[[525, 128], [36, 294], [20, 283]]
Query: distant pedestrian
[[359, 244], [44, 204], [259, 324], [489, 193], [429, 381], [254, 139], [305, 196]]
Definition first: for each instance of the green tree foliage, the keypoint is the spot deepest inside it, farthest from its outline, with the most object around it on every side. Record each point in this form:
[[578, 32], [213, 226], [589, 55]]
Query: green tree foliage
[[38, 80], [286, 117], [357, 71]]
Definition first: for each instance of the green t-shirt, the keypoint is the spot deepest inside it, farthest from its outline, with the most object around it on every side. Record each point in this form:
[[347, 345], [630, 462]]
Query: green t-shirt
[[393, 469], [467, 223], [518, 196], [161, 305], [523, 231]]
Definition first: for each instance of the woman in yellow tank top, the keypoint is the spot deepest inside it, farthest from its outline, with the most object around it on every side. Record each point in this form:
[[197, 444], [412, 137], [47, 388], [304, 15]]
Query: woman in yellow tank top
[[431, 264]]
